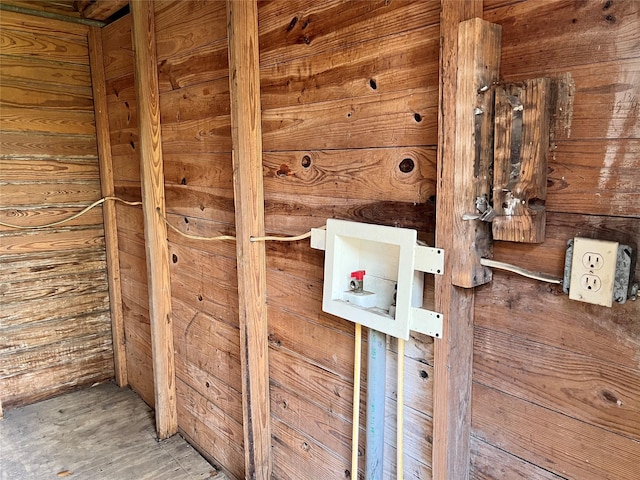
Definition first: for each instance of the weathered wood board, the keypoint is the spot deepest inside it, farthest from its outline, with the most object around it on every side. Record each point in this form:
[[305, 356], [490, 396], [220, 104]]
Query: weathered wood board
[[54, 308], [573, 367]]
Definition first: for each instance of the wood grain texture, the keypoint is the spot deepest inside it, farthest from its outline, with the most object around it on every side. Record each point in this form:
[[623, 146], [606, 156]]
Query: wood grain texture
[[103, 9], [397, 62], [42, 45], [108, 209], [150, 148], [17, 119], [39, 145], [54, 308], [491, 463], [521, 150], [97, 432], [201, 421], [478, 66], [600, 393], [244, 81], [555, 442], [452, 354], [21, 69], [592, 183], [299, 29], [611, 32], [407, 174], [117, 49]]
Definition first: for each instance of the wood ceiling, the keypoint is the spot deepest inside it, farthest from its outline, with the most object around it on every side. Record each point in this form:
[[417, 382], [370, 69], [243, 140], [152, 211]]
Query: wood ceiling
[[90, 9]]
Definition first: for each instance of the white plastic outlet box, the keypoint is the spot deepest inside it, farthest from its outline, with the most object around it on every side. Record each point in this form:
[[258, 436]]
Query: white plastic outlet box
[[389, 256]]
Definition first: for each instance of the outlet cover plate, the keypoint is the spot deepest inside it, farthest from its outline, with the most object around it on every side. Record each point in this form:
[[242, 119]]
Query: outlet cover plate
[[593, 265]]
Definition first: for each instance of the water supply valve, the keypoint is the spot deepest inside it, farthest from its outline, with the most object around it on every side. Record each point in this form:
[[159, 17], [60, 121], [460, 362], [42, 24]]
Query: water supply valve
[[356, 284]]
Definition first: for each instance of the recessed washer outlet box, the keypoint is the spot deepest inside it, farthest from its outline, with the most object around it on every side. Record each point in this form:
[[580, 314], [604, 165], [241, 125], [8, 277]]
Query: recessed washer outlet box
[[393, 263]]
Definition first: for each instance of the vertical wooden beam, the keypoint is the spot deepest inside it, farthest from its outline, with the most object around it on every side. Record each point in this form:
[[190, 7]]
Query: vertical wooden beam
[[454, 352], [108, 208], [244, 80], [155, 230]]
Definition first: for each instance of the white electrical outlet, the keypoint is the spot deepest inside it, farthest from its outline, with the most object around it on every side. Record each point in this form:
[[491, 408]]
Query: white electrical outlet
[[593, 270]]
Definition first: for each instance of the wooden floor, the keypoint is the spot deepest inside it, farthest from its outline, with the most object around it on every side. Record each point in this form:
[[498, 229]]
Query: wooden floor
[[98, 433]]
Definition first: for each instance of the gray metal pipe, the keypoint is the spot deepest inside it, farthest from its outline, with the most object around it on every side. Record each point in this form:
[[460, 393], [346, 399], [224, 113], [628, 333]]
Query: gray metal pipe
[[376, 379]]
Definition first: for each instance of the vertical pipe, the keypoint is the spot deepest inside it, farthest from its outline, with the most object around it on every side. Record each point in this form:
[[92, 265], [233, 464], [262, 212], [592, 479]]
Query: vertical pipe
[[376, 378], [357, 358], [400, 413]]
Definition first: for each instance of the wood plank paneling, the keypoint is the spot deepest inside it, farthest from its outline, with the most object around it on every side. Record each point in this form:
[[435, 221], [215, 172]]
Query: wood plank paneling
[[299, 29], [555, 442], [491, 463], [529, 336], [36, 144], [602, 393], [25, 169], [73, 122], [48, 47], [561, 43]]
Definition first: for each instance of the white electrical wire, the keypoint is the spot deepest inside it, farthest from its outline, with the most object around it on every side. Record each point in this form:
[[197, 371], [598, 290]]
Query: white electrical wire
[[543, 277], [175, 229], [231, 237], [281, 239], [195, 237], [72, 217]]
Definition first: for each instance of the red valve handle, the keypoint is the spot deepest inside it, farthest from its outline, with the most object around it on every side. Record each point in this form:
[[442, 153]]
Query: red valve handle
[[358, 275]]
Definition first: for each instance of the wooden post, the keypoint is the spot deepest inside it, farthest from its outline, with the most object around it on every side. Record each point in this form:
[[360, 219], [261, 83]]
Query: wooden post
[[244, 80], [108, 208], [454, 353], [155, 230]]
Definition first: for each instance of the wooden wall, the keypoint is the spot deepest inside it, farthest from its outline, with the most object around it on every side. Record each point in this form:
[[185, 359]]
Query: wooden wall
[[349, 99], [55, 326], [123, 126], [349, 96], [196, 141], [358, 98], [556, 390]]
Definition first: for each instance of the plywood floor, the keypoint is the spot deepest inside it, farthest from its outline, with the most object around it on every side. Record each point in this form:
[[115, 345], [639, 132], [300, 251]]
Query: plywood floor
[[99, 433]]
